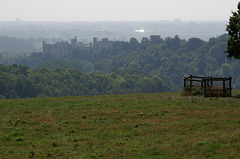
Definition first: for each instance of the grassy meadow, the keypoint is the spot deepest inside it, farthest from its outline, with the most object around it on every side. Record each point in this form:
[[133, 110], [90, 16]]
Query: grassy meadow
[[159, 125]]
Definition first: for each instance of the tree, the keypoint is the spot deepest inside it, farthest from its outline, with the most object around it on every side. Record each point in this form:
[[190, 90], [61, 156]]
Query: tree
[[134, 43], [233, 28], [194, 43], [173, 43], [156, 39]]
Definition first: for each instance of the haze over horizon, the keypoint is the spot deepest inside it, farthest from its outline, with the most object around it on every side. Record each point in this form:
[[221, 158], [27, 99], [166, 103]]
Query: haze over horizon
[[117, 10]]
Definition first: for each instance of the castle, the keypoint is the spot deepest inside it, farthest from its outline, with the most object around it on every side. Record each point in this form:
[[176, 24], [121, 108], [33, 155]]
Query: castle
[[64, 48]]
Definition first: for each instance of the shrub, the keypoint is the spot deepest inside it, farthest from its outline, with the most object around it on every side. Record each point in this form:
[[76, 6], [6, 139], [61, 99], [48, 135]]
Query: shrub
[[197, 91]]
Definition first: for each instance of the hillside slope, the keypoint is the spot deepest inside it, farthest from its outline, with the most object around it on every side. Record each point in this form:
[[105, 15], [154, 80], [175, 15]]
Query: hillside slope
[[160, 125]]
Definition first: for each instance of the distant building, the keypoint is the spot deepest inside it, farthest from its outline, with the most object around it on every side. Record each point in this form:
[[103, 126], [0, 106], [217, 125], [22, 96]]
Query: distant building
[[57, 49], [74, 41], [64, 48], [60, 48], [104, 43]]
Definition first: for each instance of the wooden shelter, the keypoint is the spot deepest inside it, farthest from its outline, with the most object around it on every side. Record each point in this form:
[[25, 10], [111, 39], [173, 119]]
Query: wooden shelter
[[212, 87]]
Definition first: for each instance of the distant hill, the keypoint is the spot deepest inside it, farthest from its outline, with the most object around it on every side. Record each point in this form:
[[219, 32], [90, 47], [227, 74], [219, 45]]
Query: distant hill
[[123, 30]]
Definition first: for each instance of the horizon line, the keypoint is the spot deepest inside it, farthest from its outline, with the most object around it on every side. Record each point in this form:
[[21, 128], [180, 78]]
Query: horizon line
[[90, 21]]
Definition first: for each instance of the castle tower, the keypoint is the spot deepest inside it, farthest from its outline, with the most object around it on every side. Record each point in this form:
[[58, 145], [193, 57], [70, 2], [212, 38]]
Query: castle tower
[[74, 41], [94, 41]]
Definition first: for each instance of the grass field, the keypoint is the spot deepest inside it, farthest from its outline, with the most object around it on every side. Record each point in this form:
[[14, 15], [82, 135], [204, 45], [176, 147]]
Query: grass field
[[160, 125]]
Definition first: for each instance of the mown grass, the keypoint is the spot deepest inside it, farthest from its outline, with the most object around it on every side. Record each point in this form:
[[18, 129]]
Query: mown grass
[[160, 125]]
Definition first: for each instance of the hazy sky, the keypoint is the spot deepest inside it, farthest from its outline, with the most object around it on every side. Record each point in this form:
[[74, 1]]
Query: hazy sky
[[116, 10]]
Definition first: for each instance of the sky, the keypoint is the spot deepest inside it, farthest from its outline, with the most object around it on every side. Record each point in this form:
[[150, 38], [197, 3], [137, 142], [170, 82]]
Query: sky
[[116, 10]]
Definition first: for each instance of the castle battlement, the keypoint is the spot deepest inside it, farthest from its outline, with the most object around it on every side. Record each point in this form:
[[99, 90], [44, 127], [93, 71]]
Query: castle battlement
[[64, 48]]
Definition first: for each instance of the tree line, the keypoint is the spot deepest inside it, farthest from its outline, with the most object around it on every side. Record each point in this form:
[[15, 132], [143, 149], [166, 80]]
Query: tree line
[[19, 81]]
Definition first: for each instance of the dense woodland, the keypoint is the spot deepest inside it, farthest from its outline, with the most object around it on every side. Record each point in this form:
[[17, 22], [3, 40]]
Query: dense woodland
[[20, 81], [149, 65]]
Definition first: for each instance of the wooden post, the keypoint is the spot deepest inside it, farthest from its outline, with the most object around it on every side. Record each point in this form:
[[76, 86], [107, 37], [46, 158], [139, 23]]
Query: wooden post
[[211, 82], [185, 82], [207, 81], [204, 81], [230, 86]]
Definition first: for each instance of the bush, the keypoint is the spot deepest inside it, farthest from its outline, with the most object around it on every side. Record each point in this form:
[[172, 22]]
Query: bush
[[195, 92], [198, 91], [2, 96]]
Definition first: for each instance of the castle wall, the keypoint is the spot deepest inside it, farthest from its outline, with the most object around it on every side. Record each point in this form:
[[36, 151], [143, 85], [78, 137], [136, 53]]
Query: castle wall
[[57, 49], [64, 48]]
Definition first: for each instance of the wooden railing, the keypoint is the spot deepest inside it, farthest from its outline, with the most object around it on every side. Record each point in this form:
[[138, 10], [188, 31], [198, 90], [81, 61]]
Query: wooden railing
[[207, 85]]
